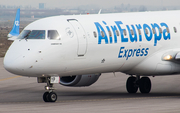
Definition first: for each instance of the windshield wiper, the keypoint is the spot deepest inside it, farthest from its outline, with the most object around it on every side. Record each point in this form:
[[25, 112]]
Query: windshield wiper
[[26, 36]]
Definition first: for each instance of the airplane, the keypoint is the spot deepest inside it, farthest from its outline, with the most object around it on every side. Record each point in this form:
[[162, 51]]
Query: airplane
[[74, 50]]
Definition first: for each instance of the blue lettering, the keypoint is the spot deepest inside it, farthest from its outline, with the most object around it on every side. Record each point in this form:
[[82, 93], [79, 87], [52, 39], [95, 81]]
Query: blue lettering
[[100, 29], [166, 35], [110, 37], [146, 51], [139, 30], [129, 53], [132, 38], [137, 52], [146, 27], [153, 31], [121, 31], [142, 52], [156, 36], [134, 52], [125, 52], [120, 56], [114, 28]]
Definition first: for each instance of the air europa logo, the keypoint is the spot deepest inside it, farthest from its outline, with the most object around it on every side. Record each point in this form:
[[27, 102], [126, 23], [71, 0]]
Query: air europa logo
[[156, 31], [17, 23]]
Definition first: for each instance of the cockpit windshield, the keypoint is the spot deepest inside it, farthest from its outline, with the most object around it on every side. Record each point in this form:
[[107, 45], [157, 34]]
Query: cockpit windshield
[[32, 34]]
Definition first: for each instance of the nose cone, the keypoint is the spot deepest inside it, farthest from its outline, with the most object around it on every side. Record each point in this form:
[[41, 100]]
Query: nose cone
[[13, 64], [13, 60]]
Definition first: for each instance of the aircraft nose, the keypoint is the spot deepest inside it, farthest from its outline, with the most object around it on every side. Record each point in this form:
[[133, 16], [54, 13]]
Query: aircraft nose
[[14, 65]]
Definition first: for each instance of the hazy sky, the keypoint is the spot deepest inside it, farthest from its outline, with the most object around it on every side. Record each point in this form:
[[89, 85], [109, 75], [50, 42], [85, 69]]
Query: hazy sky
[[101, 3]]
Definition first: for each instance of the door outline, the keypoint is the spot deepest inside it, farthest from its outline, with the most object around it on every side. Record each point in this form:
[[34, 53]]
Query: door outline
[[81, 37]]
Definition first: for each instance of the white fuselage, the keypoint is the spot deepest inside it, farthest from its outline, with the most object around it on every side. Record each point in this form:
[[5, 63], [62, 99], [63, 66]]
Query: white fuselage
[[90, 44]]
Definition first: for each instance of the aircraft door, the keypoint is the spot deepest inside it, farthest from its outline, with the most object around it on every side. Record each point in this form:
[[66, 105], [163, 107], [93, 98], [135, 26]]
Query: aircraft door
[[81, 36]]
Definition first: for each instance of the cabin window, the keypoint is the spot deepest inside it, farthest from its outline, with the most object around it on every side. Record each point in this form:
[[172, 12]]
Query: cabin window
[[139, 31], [175, 30], [110, 34], [132, 32], [102, 34], [146, 31], [95, 34], [117, 32], [160, 30], [53, 35], [153, 30], [125, 33], [34, 34], [167, 30]]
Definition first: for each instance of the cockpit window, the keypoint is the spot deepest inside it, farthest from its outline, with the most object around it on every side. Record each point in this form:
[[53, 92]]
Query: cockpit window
[[23, 34], [53, 35], [34, 34]]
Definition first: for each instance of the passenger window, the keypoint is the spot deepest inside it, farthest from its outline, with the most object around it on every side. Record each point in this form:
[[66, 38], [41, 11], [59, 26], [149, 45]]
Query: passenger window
[[53, 35], [146, 31], [139, 31], [110, 34], [153, 30], [117, 32], [167, 30], [95, 34], [132, 32], [124, 32], [175, 30], [160, 30], [102, 34]]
